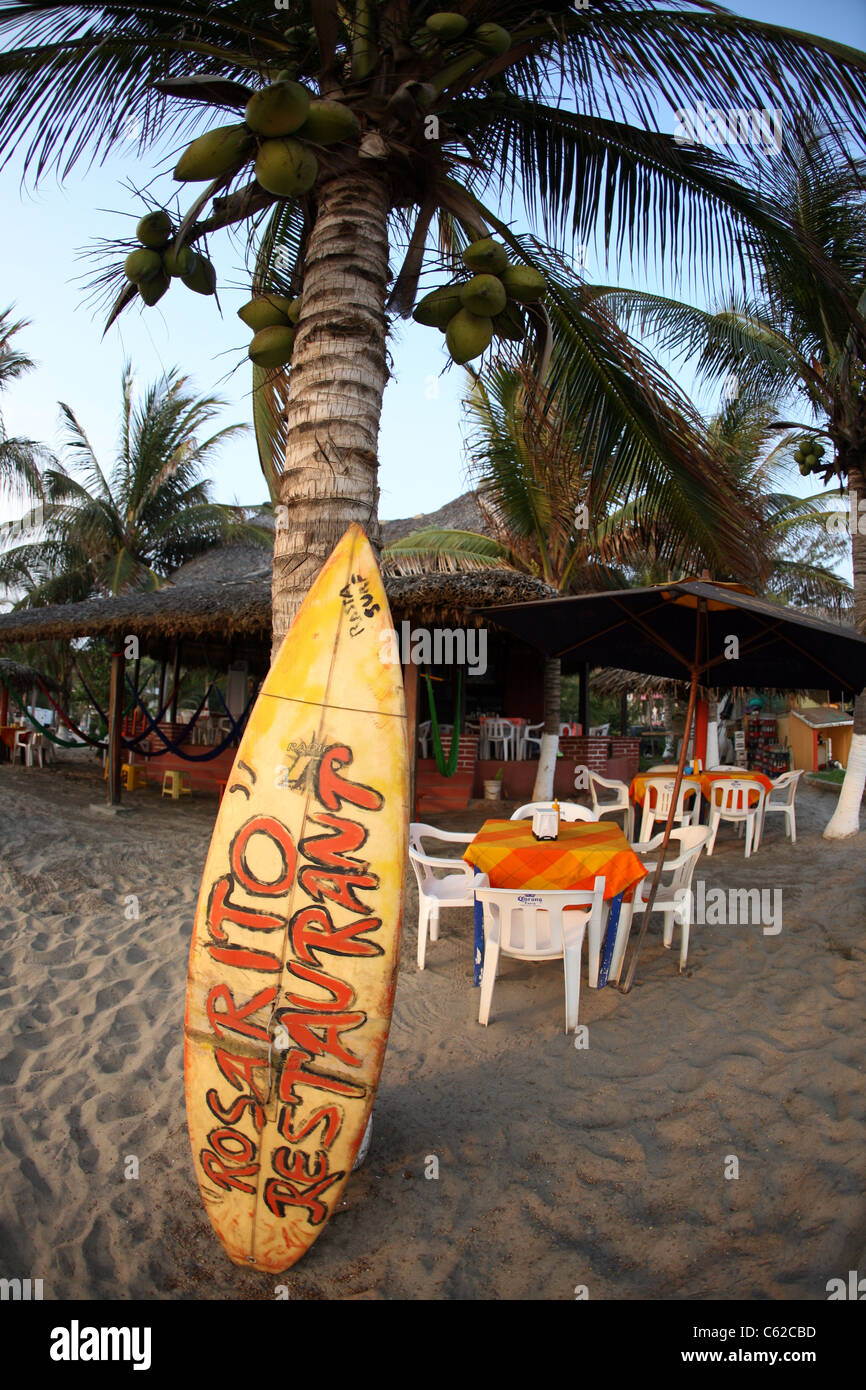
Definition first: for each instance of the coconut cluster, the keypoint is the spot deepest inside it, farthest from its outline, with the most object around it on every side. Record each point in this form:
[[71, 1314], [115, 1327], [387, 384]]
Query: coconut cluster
[[281, 123], [490, 302], [447, 28], [808, 456], [273, 319], [154, 265]]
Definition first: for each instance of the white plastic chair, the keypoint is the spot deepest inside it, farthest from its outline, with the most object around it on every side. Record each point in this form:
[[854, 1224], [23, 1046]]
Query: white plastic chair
[[658, 795], [788, 784], [34, 750], [599, 731], [732, 801], [453, 889], [532, 734], [423, 733], [20, 744], [619, 804], [673, 896], [568, 811], [538, 926], [501, 732]]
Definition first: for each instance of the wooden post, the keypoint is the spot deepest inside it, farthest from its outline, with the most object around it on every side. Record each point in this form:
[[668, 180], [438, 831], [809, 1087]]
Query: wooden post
[[410, 692], [115, 719], [175, 683], [678, 781], [623, 714], [161, 700], [4, 704], [583, 699]]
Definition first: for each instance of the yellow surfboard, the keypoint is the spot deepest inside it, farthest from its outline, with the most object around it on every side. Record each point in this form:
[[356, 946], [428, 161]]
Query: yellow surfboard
[[295, 947]]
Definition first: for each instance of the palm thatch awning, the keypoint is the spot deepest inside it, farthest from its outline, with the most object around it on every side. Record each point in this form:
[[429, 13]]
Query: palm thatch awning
[[222, 601], [23, 677], [612, 680]]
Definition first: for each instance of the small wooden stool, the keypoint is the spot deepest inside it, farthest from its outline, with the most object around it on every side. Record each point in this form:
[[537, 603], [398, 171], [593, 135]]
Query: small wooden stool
[[135, 776], [175, 784]]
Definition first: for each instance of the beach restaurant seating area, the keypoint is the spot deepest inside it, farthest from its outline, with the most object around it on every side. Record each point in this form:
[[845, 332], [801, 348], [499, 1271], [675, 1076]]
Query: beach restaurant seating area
[[565, 881]]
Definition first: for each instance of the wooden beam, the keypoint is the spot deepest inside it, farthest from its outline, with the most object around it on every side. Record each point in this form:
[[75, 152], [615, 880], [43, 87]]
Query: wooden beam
[[176, 683], [410, 692], [583, 699], [115, 719]]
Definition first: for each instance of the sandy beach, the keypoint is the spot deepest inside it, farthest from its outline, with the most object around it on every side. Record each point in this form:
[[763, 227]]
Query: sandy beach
[[558, 1168]]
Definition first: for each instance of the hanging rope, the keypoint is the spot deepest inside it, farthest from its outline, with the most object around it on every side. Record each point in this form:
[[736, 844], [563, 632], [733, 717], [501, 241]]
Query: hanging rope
[[61, 742], [173, 745], [445, 769], [135, 740]]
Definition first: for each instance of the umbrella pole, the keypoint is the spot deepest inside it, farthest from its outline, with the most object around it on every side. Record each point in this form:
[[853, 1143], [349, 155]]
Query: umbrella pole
[[690, 716]]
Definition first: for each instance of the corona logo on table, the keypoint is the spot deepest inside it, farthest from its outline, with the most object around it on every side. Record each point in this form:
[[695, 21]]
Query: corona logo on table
[[294, 953]]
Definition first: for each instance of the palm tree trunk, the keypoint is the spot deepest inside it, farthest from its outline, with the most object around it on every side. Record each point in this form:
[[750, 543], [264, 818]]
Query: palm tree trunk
[[543, 789], [336, 385], [846, 818]]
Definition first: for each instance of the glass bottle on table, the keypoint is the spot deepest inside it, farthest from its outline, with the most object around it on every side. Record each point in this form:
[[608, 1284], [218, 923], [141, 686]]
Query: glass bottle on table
[[555, 807]]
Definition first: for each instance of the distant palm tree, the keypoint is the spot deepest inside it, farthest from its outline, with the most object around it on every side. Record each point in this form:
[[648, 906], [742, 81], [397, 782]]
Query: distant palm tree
[[19, 458], [550, 515], [800, 339], [101, 532], [550, 104]]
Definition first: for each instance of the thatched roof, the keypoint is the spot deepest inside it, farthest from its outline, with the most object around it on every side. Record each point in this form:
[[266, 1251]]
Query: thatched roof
[[23, 677], [463, 514], [614, 681], [225, 595]]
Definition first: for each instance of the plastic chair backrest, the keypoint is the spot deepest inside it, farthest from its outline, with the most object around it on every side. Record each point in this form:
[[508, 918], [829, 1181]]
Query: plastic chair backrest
[[691, 841], [531, 924], [662, 789], [568, 811], [788, 784], [734, 796]]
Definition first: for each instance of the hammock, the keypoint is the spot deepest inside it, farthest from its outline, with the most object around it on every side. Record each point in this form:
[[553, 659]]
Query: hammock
[[61, 742], [173, 745], [445, 769]]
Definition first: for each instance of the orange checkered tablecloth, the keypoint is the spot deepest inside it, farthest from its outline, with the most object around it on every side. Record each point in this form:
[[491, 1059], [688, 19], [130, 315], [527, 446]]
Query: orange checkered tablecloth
[[710, 777], [508, 852], [637, 790]]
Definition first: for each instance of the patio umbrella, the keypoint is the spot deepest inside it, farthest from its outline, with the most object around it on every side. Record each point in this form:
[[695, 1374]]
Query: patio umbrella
[[712, 634]]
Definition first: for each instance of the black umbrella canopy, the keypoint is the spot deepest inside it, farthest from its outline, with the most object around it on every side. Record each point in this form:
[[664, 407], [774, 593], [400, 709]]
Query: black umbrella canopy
[[721, 633]]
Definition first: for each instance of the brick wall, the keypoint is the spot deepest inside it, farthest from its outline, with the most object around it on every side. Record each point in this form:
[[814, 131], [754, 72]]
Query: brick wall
[[628, 748], [592, 752], [467, 755]]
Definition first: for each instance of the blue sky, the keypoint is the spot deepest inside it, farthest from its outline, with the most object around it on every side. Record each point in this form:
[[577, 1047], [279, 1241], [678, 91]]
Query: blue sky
[[42, 233]]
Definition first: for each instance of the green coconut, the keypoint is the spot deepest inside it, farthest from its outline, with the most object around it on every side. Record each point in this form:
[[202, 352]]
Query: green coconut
[[492, 38], [202, 277], [468, 335], [438, 307], [154, 229], [484, 295], [446, 26], [485, 255], [286, 168], [152, 291], [812, 460], [805, 468], [214, 154], [179, 260], [272, 346], [294, 310], [278, 109], [510, 324], [523, 283], [329, 122], [267, 311], [142, 265]]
